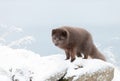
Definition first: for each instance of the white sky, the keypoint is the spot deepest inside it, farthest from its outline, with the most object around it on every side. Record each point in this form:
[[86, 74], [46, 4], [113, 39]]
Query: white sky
[[24, 12]]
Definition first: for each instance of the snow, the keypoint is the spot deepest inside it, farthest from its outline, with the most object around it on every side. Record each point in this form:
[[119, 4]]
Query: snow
[[15, 34], [116, 75], [24, 65], [22, 41], [87, 66]]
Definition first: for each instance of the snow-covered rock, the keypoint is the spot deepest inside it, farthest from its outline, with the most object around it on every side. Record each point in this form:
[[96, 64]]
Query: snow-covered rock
[[91, 70], [50, 68], [24, 65]]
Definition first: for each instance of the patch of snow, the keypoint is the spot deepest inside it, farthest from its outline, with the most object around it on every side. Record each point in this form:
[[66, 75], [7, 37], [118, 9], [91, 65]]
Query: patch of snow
[[116, 75], [109, 52], [22, 41]]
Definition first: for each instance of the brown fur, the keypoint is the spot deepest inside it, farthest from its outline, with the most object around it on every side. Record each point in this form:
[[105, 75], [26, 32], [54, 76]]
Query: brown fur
[[75, 41]]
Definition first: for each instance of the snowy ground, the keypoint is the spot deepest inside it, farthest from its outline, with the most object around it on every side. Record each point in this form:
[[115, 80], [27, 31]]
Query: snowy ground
[[25, 65]]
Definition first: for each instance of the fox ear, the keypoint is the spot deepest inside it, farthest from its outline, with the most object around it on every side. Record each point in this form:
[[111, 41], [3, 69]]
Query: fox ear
[[64, 33], [53, 31]]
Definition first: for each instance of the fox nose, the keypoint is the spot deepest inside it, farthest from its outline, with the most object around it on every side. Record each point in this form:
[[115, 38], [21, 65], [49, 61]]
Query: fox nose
[[56, 44]]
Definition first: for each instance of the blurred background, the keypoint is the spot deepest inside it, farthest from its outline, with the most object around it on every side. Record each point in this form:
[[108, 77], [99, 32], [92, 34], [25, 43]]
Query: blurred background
[[27, 24]]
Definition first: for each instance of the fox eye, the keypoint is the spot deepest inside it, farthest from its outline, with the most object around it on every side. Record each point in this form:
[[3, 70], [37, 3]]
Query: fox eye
[[54, 37], [61, 38]]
